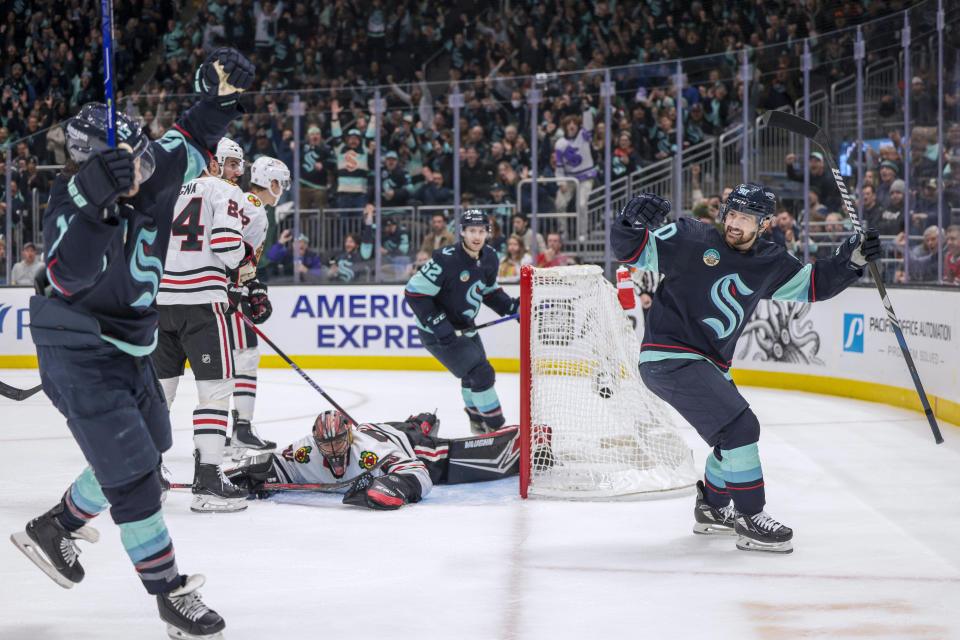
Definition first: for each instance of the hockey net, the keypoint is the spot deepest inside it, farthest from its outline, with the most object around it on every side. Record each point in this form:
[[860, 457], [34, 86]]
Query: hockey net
[[591, 429]]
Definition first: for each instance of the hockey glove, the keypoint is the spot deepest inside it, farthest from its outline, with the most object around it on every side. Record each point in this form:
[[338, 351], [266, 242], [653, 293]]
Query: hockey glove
[[387, 492], [234, 296], [223, 76], [253, 473], [427, 423], [260, 307], [247, 269], [646, 211], [868, 249], [514, 308], [442, 328], [106, 175]]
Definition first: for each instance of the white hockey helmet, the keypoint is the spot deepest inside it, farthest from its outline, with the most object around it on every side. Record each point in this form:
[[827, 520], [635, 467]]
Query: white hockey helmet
[[265, 170], [227, 148]]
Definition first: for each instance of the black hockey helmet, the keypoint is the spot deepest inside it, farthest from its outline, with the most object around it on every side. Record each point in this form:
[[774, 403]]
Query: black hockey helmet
[[86, 133], [473, 218], [752, 198], [334, 435]]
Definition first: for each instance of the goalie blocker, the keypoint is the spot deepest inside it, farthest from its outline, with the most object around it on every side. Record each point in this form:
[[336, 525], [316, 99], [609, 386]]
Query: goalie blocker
[[390, 464]]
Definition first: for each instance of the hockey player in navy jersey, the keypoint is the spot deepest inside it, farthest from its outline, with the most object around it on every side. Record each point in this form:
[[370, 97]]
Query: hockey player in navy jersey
[[106, 229], [712, 284], [446, 294]]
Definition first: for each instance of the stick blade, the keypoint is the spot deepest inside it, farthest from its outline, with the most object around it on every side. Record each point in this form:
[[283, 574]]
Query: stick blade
[[14, 393], [790, 122]]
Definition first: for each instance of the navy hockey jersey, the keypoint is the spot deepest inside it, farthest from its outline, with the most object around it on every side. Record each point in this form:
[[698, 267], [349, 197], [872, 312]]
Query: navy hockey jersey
[[709, 289], [111, 270], [450, 287]]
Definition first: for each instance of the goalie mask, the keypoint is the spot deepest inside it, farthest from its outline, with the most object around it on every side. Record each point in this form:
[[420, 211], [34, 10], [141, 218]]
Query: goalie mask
[[265, 170], [333, 434]]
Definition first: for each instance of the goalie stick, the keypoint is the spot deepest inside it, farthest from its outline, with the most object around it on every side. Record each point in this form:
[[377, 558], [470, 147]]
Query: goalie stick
[[364, 478], [290, 362], [818, 136], [18, 394]]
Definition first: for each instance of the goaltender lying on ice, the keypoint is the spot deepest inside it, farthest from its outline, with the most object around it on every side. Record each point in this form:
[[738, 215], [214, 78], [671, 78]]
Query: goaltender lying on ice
[[382, 465]]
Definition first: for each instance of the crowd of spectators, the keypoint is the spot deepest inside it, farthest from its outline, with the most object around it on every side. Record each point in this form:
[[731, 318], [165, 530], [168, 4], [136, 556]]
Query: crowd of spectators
[[337, 53]]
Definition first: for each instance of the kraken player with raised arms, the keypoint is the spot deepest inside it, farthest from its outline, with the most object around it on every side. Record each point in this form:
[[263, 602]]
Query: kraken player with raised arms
[[713, 282], [446, 294], [206, 245], [269, 178], [106, 229]]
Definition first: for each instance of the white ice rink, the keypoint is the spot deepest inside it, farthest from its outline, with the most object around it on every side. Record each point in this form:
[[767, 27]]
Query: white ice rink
[[873, 502]]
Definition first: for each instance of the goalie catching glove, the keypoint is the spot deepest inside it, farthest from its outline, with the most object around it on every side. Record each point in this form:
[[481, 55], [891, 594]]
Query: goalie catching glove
[[224, 75], [388, 492]]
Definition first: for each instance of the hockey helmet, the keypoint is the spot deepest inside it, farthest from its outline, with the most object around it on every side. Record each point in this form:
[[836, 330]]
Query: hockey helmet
[[86, 133], [751, 198], [334, 435], [265, 170], [227, 148], [473, 218]]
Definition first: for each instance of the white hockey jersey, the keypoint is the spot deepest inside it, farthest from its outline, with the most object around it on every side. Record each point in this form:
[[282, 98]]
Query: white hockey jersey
[[375, 446], [206, 239], [254, 220], [574, 155]]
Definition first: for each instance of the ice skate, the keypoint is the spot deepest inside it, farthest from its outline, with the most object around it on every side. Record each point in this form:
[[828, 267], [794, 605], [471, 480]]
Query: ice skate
[[186, 615], [477, 427], [213, 492], [760, 532], [709, 519], [245, 438], [52, 548]]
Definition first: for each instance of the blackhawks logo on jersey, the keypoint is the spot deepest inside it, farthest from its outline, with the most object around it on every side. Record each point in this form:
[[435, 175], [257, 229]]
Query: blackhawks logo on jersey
[[303, 454], [368, 460], [254, 199]]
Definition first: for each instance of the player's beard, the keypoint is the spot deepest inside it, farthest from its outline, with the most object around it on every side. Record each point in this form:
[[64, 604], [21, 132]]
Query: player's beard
[[740, 242]]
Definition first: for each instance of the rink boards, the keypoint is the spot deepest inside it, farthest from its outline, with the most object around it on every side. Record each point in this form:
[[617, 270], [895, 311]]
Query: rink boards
[[843, 346]]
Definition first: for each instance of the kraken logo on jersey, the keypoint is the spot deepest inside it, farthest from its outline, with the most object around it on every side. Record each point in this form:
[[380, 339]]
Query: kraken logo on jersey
[[146, 268], [726, 288], [474, 299]]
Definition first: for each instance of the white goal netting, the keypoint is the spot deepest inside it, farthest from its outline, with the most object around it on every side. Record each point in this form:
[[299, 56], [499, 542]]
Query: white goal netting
[[609, 435]]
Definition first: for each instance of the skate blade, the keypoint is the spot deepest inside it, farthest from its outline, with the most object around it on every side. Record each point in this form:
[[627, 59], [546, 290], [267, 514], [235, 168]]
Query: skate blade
[[710, 529], [748, 544], [213, 504], [35, 554], [180, 634]]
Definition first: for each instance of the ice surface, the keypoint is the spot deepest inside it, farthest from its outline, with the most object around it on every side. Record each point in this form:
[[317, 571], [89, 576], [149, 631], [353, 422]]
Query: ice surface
[[872, 500]]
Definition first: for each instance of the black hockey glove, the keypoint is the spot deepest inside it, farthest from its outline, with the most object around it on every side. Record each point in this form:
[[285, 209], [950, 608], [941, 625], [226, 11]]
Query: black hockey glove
[[647, 210], [426, 422], [868, 249], [259, 303], [253, 473], [442, 328], [101, 179], [234, 296], [386, 493], [514, 308], [224, 75]]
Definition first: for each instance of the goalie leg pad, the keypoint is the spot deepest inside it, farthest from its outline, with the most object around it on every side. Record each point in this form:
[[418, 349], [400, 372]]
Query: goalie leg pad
[[488, 457], [253, 472]]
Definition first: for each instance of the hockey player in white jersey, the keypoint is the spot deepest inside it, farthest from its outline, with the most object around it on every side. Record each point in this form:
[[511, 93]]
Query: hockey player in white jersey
[[269, 178], [389, 463], [206, 247]]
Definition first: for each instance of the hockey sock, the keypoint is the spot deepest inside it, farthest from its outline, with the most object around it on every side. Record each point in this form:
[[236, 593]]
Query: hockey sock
[[717, 494], [210, 419], [488, 405], [82, 502], [744, 478], [245, 394], [150, 549], [469, 403]]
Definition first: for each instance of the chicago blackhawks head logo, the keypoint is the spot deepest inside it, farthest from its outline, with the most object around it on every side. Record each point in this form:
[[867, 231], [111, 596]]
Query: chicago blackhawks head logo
[[303, 454], [368, 460]]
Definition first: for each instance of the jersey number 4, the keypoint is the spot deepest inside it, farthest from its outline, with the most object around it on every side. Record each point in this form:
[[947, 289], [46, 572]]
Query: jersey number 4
[[187, 224]]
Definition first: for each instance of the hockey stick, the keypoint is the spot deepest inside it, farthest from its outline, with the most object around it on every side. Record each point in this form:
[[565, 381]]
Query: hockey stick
[[106, 21], [290, 362], [17, 394], [807, 129], [285, 486], [490, 324]]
